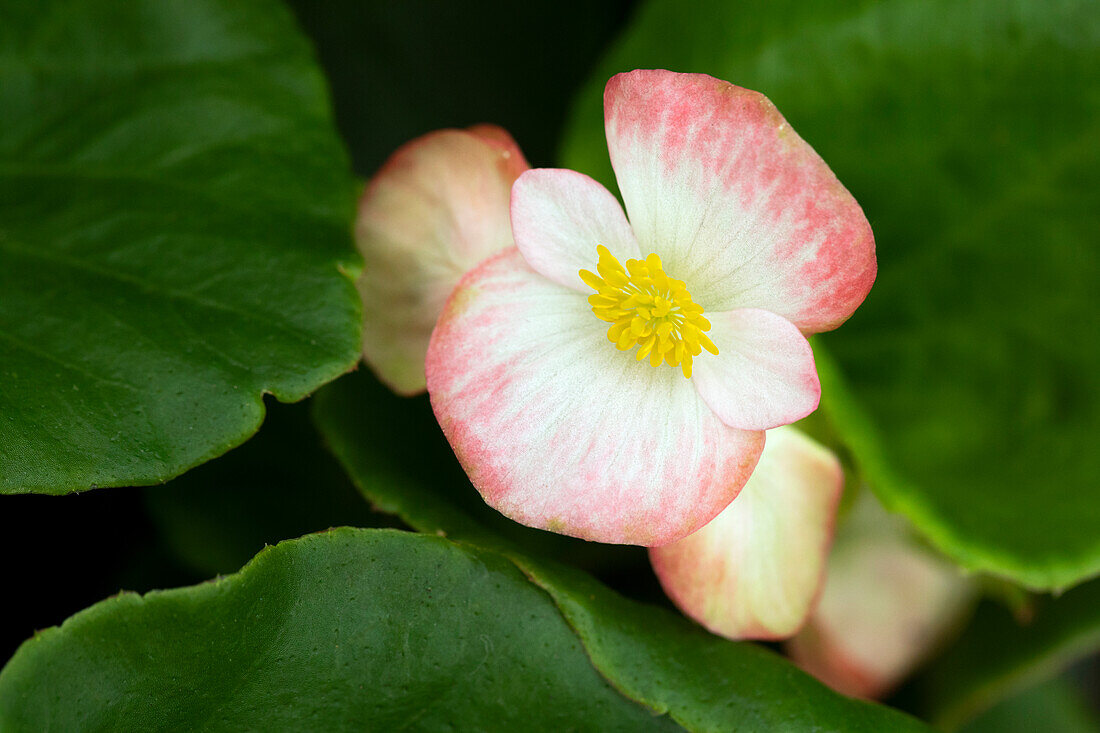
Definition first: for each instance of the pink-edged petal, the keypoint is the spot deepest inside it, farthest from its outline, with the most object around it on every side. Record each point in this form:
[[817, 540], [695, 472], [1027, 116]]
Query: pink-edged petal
[[436, 208], [755, 570], [559, 218], [763, 375], [559, 430], [887, 604], [515, 163], [734, 201]]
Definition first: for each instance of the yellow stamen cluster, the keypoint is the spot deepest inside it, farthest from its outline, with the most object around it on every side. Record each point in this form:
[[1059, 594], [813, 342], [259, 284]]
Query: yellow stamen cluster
[[648, 309]]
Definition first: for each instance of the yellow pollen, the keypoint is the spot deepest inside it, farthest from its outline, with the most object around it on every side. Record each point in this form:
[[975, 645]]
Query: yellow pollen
[[648, 309]]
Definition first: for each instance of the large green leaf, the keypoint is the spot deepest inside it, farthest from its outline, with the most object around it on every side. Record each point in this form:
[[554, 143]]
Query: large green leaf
[[282, 483], [999, 655], [967, 384], [650, 654], [174, 235], [345, 630]]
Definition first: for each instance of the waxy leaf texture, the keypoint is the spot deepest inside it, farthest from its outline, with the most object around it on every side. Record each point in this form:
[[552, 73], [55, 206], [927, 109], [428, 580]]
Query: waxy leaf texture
[[651, 655], [175, 214]]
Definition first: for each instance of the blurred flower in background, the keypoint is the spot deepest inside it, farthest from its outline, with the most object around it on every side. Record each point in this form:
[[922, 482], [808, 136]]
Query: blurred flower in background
[[436, 208], [887, 605]]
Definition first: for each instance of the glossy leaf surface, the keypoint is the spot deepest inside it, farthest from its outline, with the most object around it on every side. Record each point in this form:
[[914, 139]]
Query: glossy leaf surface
[[174, 235], [650, 654], [344, 630]]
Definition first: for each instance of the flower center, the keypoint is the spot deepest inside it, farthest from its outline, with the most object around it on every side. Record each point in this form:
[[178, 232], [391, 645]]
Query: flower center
[[648, 309]]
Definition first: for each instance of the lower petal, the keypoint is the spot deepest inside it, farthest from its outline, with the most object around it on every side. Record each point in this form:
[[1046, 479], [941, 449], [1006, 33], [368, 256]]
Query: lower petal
[[559, 430], [755, 570], [763, 375]]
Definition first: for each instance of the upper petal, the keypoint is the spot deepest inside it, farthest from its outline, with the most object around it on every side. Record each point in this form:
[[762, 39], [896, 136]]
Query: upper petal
[[436, 208], [559, 430], [755, 570], [763, 375], [737, 204], [559, 218]]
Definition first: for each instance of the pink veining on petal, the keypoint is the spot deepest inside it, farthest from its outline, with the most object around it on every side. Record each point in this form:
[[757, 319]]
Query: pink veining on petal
[[738, 205]]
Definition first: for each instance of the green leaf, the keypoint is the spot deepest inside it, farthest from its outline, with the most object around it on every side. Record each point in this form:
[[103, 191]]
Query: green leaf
[[999, 655], [345, 630], [280, 484], [174, 235], [649, 654], [1051, 707], [967, 385]]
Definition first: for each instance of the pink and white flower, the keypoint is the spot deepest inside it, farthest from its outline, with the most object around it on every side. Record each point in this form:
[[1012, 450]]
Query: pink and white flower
[[731, 214]]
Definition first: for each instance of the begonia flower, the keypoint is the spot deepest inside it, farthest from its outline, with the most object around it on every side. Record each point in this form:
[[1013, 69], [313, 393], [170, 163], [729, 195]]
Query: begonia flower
[[436, 208], [755, 570], [733, 215], [887, 604]]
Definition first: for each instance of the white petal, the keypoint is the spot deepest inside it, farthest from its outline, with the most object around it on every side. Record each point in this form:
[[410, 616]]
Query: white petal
[[559, 218], [763, 375]]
